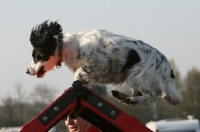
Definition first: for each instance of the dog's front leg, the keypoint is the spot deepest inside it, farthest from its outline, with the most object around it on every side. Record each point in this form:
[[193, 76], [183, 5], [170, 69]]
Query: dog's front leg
[[82, 76], [91, 72]]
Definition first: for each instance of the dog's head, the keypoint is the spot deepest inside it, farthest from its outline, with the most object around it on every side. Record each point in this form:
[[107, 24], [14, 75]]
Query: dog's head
[[44, 42]]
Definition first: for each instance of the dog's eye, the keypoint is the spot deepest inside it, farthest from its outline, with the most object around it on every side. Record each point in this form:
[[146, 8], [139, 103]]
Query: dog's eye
[[41, 58], [37, 58]]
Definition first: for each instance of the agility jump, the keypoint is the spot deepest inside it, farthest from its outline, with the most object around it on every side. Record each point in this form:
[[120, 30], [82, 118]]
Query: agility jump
[[90, 107]]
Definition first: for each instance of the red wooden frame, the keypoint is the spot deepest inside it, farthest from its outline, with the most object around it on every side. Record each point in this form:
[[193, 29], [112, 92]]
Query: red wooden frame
[[91, 107]]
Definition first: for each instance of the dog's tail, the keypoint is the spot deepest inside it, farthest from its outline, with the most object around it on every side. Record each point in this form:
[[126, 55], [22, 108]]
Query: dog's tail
[[171, 94]]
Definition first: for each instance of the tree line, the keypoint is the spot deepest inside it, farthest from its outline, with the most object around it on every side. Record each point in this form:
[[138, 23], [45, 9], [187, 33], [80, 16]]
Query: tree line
[[22, 107]]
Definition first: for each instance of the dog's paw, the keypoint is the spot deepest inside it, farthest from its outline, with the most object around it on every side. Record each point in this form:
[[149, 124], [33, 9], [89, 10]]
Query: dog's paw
[[115, 94], [81, 76], [125, 99], [130, 100], [87, 68], [119, 95]]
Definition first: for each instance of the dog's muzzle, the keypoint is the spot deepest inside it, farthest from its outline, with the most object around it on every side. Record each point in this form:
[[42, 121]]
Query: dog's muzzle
[[39, 74], [30, 71], [27, 71]]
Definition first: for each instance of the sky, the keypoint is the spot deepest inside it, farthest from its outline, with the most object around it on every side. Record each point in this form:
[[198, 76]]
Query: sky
[[172, 27]]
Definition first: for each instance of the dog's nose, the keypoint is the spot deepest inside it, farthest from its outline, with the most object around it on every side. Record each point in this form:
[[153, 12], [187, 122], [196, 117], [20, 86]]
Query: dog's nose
[[27, 71]]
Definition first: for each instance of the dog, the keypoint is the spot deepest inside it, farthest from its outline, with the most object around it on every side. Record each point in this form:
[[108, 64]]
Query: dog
[[101, 57]]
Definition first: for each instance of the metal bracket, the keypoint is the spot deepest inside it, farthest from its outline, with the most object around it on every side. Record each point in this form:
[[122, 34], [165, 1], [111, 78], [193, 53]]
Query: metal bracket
[[57, 108]]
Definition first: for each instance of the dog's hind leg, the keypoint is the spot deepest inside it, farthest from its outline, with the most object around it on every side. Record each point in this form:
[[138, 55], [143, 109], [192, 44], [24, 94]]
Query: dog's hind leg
[[144, 99], [139, 100]]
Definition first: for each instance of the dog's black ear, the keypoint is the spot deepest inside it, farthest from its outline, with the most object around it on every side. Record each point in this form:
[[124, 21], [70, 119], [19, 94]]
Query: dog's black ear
[[43, 36]]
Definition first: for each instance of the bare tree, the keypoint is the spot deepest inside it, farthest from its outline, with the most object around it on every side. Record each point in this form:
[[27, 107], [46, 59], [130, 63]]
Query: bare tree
[[192, 92], [43, 93], [20, 100], [9, 109]]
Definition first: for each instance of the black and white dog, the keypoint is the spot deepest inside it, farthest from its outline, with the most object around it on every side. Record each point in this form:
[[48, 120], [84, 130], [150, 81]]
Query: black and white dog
[[101, 57]]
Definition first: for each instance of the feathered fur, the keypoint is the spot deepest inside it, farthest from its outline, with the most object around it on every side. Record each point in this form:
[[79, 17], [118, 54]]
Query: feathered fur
[[101, 57]]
